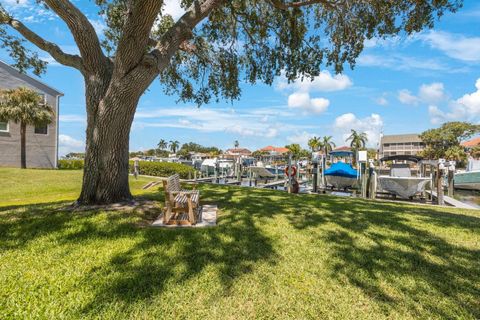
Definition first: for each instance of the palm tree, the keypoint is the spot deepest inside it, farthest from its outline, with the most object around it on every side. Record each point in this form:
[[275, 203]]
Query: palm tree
[[236, 144], [358, 140], [315, 144], [327, 144], [162, 144], [174, 146], [26, 107], [295, 150]]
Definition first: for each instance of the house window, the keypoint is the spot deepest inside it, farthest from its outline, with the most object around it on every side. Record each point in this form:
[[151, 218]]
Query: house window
[[41, 129], [44, 98], [3, 126]]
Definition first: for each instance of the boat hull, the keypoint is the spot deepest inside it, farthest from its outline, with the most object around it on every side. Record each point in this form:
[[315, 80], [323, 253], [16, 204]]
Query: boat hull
[[404, 187], [340, 182], [467, 180], [341, 175]]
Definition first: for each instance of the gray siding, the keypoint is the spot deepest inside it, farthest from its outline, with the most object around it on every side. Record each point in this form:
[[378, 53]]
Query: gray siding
[[41, 149]]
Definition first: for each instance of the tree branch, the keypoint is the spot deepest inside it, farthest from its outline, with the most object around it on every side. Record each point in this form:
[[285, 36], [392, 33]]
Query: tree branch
[[279, 4], [84, 34], [173, 39], [136, 33], [53, 49], [184, 46]]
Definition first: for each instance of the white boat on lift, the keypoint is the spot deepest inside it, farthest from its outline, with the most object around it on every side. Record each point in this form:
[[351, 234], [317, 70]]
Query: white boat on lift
[[341, 175], [400, 182], [468, 179]]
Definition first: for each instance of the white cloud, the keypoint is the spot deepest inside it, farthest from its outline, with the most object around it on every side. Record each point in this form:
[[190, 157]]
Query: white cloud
[[382, 42], [173, 8], [302, 88], [22, 3], [427, 93], [72, 118], [465, 108], [302, 100], [405, 63], [431, 93], [27, 11], [382, 101], [406, 97], [99, 26], [371, 125], [301, 138], [243, 123], [324, 82], [68, 144], [456, 46]]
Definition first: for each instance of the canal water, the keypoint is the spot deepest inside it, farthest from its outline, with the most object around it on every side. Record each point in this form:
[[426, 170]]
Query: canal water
[[470, 197]]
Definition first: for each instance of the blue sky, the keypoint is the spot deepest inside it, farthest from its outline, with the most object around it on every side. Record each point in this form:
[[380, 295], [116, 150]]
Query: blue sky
[[399, 85]]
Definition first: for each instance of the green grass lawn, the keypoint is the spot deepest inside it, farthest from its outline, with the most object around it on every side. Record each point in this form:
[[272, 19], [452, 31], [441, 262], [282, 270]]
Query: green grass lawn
[[273, 255]]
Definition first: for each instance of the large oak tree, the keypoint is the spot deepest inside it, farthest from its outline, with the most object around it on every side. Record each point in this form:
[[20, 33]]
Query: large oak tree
[[205, 54]]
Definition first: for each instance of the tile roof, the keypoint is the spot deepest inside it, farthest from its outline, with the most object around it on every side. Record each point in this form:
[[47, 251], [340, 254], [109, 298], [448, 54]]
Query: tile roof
[[274, 149], [471, 143], [400, 138]]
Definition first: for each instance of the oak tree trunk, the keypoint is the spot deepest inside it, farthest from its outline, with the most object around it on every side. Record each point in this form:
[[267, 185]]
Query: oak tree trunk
[[111, 105], [23, 152], [105, 174]]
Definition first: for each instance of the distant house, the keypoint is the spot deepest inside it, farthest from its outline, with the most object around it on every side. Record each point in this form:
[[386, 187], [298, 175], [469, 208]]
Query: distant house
[[42, 142], [242, 152], [274, 150], [400, 144], [470, 144]]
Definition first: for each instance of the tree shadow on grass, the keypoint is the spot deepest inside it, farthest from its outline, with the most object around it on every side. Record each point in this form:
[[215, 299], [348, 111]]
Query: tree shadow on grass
[[20, 225], [391, 252], [163, 259]]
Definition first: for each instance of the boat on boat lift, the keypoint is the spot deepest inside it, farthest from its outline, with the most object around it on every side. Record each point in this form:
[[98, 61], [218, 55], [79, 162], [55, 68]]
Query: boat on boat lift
[[470, 178], [400, 181], [341, 175]]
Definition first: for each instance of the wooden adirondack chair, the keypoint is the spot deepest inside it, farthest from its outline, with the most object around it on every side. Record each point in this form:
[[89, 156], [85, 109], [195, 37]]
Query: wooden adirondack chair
[[181, 206]]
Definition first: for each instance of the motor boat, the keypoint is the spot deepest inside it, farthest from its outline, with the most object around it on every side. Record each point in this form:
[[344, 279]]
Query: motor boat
[[470, 178], [400, 181], [341, 175]]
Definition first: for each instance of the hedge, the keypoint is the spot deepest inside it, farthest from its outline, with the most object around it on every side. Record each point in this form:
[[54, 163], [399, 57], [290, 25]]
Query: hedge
[[159, 169], [164, 169], [70, 164]]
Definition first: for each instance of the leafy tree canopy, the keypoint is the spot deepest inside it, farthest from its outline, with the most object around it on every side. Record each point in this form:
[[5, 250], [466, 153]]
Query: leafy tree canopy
[[260, 153], [242, 40], [297, 151], [444, 142], [24, 106], [195, 147]]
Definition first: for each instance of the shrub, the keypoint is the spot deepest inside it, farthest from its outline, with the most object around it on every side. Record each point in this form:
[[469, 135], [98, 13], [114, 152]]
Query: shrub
[[70, 164], [159, 169], [164, 169]]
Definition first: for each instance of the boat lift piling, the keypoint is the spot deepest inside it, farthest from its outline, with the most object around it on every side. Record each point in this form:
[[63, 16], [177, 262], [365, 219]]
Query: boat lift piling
[[362, 163], [289, 169], [450, 177], [372, 180], [315, 176], [439, 181]]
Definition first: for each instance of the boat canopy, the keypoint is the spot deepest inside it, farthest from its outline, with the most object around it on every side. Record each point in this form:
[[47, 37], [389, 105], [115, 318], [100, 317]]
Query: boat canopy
[[341, 153], [341, 169], [209, 162], [473, 165], [402, 157]]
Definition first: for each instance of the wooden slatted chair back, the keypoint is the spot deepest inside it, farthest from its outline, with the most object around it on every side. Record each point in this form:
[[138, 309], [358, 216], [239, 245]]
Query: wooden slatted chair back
[[173, 183]]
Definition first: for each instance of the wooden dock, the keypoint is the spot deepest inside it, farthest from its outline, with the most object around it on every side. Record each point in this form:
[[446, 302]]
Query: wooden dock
[[452, 202], [278, 183]]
